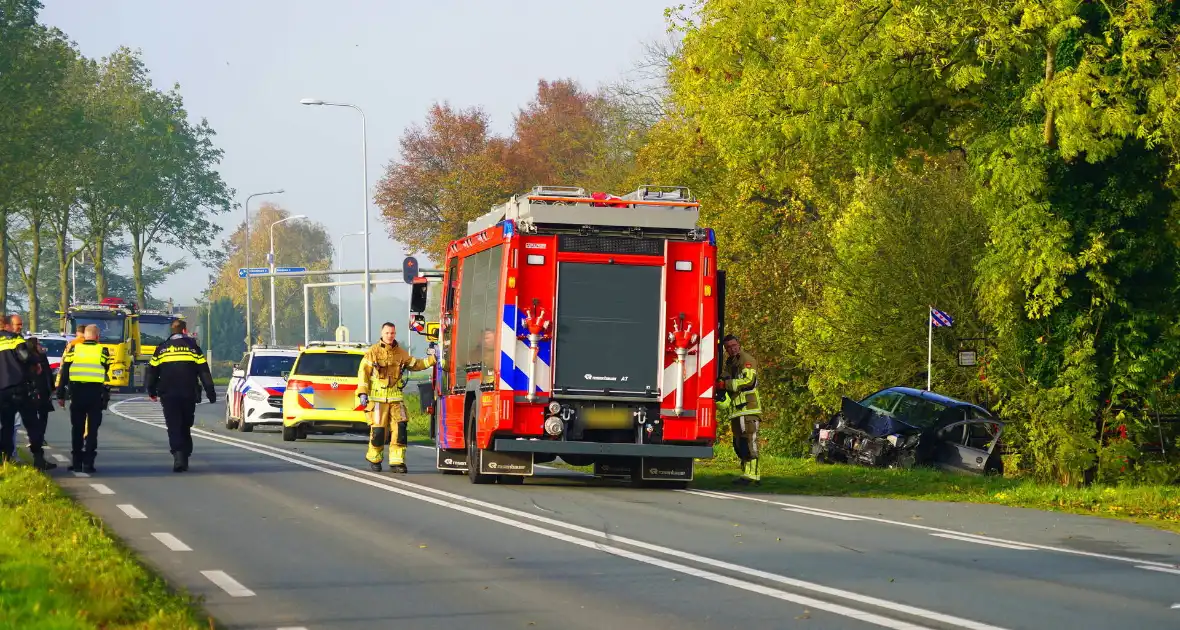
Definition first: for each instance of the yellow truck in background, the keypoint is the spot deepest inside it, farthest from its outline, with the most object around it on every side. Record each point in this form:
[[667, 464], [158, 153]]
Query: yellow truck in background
[[129, 334]]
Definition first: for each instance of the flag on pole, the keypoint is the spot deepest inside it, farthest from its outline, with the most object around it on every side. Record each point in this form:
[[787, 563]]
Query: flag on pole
[[940, 319]]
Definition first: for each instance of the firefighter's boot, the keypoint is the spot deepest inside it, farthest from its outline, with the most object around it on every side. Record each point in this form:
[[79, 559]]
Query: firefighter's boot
[[397, 459], [378, 438]]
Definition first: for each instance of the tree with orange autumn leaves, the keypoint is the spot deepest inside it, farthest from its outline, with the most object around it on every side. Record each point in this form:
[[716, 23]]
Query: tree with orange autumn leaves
[[452, 168]]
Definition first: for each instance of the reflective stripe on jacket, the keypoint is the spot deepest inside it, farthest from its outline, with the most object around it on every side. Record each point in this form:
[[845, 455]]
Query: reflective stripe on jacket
[[740, 376], [382, 373]]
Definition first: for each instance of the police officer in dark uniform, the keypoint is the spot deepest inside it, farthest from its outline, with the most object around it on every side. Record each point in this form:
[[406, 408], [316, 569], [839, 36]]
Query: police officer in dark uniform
[[84, 373], [16, 387], [36, 415], [173, 374]]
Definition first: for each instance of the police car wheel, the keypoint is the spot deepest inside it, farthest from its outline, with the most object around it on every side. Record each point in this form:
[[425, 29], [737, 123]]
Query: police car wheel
[[229, 421], [245, 427]]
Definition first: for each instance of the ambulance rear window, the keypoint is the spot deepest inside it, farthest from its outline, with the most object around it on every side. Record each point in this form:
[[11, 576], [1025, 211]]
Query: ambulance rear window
[[333, 364]]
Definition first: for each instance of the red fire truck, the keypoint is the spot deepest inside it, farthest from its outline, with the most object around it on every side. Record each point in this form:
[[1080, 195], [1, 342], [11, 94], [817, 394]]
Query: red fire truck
[[580, 326]]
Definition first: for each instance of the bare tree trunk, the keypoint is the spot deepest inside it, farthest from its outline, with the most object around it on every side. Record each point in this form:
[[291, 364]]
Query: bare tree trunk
[[30, 278], [137, 269], [3, 262], [100, 276], [63, 279]]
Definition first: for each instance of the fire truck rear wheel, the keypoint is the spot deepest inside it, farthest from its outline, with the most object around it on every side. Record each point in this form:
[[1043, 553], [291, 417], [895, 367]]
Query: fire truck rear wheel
[[473, 473]]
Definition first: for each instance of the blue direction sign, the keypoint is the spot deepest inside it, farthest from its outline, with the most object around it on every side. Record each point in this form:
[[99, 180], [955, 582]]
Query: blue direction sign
[[253, 271], [290, 269]]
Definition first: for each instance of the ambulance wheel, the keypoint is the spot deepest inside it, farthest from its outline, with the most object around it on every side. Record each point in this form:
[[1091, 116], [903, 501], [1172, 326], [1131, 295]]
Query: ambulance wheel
[[473, 473], [288, 433]]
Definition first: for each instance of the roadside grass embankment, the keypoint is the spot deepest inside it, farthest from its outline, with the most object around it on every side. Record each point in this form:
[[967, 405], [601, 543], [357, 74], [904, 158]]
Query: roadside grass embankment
[[61, 570], [1153, 505]]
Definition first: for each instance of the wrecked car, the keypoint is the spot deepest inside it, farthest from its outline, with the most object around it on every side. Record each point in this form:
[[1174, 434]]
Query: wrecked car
[[902, 427]]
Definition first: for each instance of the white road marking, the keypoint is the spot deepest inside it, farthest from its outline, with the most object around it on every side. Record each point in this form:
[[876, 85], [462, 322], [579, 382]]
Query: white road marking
[[1175, 606], [171, 542], [1160, 569], [131, 511], [813, 513], [702, 494], [983, 541], [81, 474], [101, 488], [231, 586], [1067, 550], [294, 628], [391, 485], [61, 458]]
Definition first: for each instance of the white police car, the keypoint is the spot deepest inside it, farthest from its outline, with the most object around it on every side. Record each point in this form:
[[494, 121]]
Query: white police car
[[255, 393]]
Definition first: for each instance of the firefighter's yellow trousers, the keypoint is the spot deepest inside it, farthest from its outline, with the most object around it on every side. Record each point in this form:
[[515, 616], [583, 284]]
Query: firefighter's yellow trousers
[[388, 425]]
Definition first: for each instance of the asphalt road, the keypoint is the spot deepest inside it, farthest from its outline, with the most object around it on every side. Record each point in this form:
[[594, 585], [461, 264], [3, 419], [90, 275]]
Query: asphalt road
[[301, 535]]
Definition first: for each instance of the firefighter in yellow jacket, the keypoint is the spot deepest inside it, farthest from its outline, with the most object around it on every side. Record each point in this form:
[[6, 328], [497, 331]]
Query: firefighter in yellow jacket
[[740, 403], [380, 381]]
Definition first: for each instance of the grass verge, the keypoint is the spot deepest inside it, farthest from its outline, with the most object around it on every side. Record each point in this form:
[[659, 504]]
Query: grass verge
[[1156, 506], [221, 381], [61, 570]]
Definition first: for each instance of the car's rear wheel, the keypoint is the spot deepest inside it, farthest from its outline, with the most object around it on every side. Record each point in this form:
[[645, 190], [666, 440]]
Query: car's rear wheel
[[288, 433]]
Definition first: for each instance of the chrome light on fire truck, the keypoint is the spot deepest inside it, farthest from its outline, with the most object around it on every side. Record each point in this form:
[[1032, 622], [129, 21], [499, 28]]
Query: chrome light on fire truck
[[554, 426], [554, 407], [683, 265]]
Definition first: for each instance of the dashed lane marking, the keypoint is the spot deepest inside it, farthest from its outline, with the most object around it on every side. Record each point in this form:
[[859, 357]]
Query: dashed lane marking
[[232, 587], [101, 488], [171, 542], [60, 458], [131, 511]]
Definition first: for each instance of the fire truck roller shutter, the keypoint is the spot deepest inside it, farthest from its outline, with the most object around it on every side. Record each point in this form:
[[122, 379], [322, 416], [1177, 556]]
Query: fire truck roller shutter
[[608, 328]]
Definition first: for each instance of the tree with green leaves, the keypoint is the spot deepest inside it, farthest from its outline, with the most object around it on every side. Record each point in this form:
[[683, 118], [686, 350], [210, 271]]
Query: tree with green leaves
[[1067, 114]]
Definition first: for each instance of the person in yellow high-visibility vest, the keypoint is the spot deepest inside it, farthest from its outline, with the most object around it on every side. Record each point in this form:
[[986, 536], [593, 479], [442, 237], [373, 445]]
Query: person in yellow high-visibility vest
[[84, 373], [742, 405], [380, 382]]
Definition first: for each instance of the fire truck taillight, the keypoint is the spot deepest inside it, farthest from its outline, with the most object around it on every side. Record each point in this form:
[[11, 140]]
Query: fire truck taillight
[[554, 426], [554, 407]]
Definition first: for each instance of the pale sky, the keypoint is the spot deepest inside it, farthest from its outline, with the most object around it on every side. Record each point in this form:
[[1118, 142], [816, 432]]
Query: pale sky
[[244, 65]]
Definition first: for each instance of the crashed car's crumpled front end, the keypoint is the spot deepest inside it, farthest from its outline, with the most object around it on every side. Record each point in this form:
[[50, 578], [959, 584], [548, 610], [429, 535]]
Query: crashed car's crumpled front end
[[858, 434], [901, 428]]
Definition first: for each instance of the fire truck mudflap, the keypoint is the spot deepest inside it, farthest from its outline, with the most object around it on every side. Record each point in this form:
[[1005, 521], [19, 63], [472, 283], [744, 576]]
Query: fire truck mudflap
[[578, 326]]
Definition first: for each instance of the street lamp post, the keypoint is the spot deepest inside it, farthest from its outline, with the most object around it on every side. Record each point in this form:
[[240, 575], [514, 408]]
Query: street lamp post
[[339, 302], [249, 335], [271, 260], [365, 163]]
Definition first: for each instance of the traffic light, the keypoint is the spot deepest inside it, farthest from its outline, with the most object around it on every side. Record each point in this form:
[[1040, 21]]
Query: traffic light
[[409, 269]]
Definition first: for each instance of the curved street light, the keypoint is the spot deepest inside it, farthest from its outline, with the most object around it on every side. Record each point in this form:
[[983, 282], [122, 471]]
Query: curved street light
[[365, 164], [249, 336]]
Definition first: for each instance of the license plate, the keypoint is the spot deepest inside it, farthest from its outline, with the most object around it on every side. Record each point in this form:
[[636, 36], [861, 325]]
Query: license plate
[[334, 401], [607, 418]]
